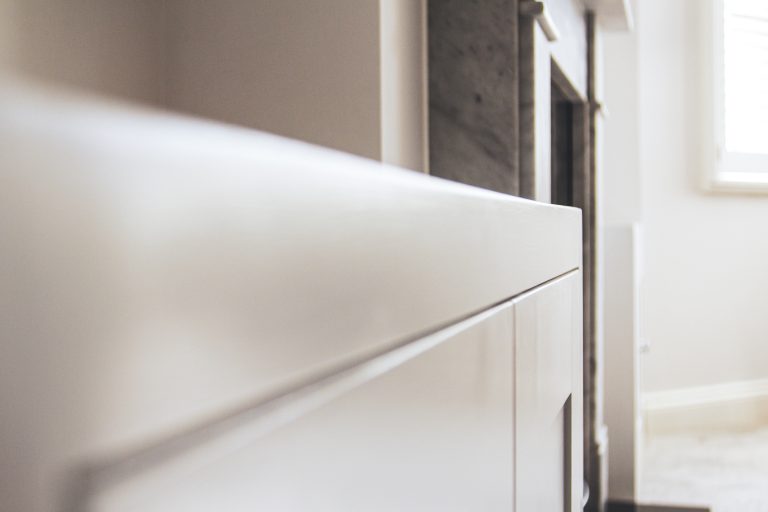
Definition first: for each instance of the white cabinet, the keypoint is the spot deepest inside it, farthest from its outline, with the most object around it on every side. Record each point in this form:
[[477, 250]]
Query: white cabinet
[[198, 317], [427, 426], [548, 393], [484, 414]]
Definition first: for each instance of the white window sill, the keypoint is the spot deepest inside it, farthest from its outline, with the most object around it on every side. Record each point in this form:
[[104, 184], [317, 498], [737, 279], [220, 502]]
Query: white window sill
[[739, 182]]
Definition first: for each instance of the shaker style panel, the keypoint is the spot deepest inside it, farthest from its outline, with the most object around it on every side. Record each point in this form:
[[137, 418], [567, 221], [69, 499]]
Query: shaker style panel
[[548, 415], [433, 433]]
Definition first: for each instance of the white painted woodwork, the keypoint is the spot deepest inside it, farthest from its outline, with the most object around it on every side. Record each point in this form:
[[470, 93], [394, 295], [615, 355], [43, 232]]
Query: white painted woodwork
[[568, 52], [570, 49], [548, 397], [613, 15], [428, 426], [622, 363], [164, 279], [739, 406], [404, 90]]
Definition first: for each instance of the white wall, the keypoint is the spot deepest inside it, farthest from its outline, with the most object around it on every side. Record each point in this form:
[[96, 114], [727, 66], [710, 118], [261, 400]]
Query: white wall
[[702, 256], [706, 271]]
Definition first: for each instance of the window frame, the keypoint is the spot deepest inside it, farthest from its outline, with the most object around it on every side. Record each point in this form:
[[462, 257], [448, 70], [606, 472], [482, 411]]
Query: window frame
[[731, 171]]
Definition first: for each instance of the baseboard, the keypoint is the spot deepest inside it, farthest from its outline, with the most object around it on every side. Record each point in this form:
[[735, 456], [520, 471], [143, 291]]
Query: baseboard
[[732, 406]]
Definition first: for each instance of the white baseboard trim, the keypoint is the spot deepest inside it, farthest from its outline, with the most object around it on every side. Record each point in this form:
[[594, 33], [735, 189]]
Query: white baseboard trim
[[737, 406]]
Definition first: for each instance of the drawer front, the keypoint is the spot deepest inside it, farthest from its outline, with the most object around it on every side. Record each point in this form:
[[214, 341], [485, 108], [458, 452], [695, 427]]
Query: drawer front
[[548, 395], [428, 426]]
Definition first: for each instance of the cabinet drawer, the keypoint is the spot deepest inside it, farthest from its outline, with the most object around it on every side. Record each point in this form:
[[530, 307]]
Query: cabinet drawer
[[428, 426]]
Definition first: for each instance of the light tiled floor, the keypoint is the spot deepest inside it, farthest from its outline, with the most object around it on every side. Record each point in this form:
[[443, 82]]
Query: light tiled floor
[[727, 472]]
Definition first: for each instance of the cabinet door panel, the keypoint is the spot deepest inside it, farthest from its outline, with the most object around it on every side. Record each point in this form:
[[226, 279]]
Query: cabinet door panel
[[433, 433], [548, 396]]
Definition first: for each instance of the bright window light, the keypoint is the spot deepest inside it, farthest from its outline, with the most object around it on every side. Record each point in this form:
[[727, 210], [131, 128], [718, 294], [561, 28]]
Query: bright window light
[[746, 76]]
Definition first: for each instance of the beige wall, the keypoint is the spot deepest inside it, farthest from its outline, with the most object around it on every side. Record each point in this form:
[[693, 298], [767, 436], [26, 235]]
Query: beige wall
[[299, 68], [7, 35], [111, 47], [347, 74]]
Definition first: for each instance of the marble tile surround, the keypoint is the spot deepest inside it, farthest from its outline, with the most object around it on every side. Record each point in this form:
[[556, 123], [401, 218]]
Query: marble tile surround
[[473, 102]]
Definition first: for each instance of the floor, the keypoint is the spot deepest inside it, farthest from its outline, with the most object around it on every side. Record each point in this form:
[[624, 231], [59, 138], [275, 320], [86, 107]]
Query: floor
[[727, 472]]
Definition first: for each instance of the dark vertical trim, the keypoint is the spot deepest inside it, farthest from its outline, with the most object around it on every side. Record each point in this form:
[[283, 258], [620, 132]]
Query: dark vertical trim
[[564, 140], [595, 467]]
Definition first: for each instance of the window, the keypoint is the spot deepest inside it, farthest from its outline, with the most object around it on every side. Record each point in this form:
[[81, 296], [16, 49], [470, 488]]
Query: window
[[741, 93]]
